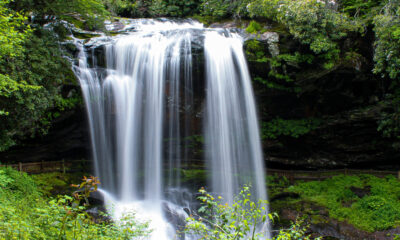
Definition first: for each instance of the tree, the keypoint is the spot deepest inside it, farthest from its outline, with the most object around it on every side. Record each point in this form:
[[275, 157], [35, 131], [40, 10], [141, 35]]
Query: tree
[[314, 23], [92, 12], [32, 70], [387, 64]]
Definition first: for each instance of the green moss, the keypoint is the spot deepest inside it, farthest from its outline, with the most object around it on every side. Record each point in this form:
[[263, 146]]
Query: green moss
[[377, 210]]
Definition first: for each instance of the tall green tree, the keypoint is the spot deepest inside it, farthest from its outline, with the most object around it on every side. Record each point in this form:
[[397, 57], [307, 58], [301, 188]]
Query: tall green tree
[[387, 64], [32, 72]]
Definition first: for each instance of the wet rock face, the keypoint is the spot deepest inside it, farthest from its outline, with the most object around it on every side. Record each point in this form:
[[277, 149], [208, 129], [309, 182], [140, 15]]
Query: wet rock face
[[68, 139], [345, 98], [348, 139]]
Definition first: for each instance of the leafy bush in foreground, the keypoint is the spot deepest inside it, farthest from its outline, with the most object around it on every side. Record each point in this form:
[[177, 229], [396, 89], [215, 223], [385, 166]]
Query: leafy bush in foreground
[[241, 220], [26, 214]]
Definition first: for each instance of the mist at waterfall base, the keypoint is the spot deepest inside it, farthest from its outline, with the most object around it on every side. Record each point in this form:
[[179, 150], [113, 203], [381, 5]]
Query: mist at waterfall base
[[156, 85]]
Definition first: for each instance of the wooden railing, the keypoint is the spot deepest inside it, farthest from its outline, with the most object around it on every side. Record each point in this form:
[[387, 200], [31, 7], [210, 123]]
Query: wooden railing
[[76, 165], [53, 166], [324, 174]]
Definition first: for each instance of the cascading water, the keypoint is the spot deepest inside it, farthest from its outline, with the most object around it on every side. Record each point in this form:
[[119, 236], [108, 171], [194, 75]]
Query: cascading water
[[232, 135], [140, 108]]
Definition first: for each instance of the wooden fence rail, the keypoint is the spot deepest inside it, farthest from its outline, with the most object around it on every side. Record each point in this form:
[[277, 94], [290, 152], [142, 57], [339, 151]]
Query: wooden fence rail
[[74, 165], [324, 174], [53, 166]]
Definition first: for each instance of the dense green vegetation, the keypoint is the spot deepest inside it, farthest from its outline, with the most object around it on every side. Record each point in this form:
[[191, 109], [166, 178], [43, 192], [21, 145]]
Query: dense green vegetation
[[365, 201], [239, 220], [33, 67], [26, 213]]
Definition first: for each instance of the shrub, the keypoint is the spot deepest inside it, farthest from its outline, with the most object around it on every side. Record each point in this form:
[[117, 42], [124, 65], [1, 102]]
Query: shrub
[[253, 27], [26, 214], [240, 220]]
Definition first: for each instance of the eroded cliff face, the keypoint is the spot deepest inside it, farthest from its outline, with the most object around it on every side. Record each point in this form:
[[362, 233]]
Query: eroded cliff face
[[68, 139], [328, 117]]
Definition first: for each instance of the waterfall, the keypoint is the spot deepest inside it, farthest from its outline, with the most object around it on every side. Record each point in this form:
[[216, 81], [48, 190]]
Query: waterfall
[[233, 141], [141, 109]]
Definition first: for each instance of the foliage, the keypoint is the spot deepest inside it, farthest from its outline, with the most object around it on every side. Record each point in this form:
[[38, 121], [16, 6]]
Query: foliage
[[387, 44], [387, 62], [378, 209], [255, 50], [90, 11], [278, 65], [12, 36], [13, 32], [278, 76], [276, 184], [49, 182], [240, 220], [225, 8], [253, 27], [123, 8], [31, 88], [174, 8], [311, 22], [293, 128], [364, 9], [153, 8], [88, 185], [32, 69], [221, 221], [389, 122], [26, 214], [297, 231]]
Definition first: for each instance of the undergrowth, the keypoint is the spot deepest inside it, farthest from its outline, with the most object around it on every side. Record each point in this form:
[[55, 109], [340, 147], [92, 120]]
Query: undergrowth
[[365, 201], [27, 213]]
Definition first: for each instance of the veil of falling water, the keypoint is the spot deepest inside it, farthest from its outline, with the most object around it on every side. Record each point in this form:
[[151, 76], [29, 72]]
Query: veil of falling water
[[232, 133], [140, 110]]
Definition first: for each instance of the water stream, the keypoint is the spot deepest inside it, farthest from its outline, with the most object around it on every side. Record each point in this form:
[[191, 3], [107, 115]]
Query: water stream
[[153, 87]]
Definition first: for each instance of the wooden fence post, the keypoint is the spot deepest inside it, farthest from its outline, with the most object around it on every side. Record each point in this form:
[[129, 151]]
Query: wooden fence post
[[20, 166], [398, 175], [63, 166]]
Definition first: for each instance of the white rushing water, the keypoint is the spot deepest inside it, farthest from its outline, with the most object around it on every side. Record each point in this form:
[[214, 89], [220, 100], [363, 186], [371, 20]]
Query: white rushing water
[[232, 135], [140, 109]]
